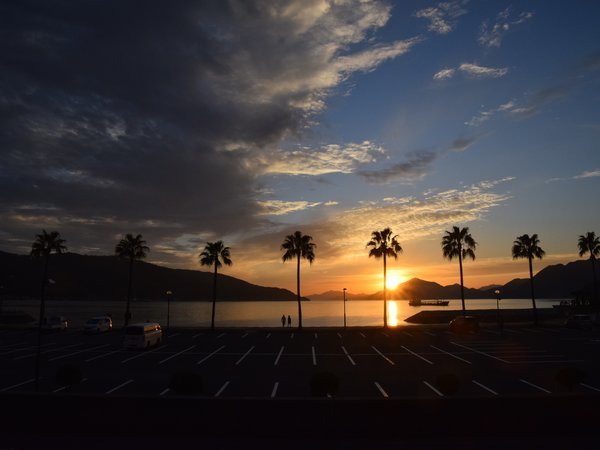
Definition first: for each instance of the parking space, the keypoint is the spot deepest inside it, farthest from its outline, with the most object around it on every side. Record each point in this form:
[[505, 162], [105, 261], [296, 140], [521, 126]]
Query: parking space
[[407, 362]]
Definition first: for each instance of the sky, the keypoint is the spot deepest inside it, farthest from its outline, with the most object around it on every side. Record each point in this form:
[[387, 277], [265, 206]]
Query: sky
[[244, 121]]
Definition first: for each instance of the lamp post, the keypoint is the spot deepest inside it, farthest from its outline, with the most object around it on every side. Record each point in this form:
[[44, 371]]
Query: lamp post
[[497, 292], [169, 293], [344, 308]]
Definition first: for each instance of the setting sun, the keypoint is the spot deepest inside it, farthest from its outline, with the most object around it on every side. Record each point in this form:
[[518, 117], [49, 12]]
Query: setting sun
[[395, 278]]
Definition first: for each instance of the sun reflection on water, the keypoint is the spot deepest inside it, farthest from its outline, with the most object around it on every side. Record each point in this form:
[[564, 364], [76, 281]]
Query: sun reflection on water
[[392, 314]]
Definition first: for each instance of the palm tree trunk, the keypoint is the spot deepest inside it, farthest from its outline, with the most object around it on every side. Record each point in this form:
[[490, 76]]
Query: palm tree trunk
[[462, 288], [42, 314], [535, 317], [298, 290], [214, 299], [127, 308], [596, 299], [384, 292]]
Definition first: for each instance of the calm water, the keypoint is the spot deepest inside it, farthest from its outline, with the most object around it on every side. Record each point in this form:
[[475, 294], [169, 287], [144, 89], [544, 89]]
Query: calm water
[[257, 314]]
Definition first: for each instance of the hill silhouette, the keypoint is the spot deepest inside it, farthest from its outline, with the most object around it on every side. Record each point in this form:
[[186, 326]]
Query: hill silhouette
[[555, 281], [105, 278]]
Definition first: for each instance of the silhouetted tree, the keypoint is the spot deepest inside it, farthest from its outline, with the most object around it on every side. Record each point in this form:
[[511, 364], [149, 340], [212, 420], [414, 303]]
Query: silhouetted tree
[[590, 243], [44, 245], [212, 255], [528, 247], [298, 246], [459, 243], [132, 248], [383, 244]]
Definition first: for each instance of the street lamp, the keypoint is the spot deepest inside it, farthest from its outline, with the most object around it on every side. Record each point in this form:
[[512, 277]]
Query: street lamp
[[169, 293], [344, 308], [497, 292]]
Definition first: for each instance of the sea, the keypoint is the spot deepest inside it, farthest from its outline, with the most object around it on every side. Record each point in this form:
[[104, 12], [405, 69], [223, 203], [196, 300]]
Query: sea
[[255, 313]]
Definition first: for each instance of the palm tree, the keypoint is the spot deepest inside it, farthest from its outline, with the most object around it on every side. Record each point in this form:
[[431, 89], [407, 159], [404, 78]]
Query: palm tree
[[589, 243], [132, 248], [298, 246], [528, 247], [212, 254], [384, 244], [459, 243], [42, 247]]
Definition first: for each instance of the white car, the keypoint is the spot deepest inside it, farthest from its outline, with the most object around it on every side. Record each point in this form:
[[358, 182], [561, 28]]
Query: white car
[[142, 335], [98, 325], [55, 323]]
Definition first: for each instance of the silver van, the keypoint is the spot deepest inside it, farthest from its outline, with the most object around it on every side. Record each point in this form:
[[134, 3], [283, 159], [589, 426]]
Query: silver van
[[142, 335]]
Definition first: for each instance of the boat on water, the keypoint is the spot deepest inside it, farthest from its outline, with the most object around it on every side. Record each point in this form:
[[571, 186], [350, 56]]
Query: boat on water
[[419, 302]]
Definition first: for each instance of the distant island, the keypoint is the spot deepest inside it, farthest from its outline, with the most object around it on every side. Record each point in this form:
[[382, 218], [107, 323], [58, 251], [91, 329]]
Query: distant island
[[560, 281], [105, 278]]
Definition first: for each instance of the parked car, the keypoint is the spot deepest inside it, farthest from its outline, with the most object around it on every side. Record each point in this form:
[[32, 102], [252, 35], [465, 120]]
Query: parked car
[[55, 323], [579, 321], [142, 335], [98, 325], [464, 325]]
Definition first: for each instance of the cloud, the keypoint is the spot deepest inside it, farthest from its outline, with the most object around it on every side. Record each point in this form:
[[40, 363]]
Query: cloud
[[463, 143], [472, 71], [415, 168], [492, 34], [443, 17], [444, 74], [586, 174], [142, 115], [329, 158], [280, 207], [477, 71]]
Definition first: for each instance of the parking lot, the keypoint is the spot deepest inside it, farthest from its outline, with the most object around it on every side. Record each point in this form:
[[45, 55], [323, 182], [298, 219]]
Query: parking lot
[[402, 362]]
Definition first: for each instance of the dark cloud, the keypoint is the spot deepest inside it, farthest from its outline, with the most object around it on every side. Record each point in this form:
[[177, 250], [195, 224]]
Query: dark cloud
[[140, 117], [416, 167], [462, 143]]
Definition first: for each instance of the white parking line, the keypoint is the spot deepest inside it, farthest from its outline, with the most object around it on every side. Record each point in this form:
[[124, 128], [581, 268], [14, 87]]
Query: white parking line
[[244, 335], [173, 335], [417, 355], [142, 354], [385, 334], [278, 356], [481, 353], [268, 336], [47, 351], [432, 388], [164, 391], [101, 356], [245, 354], [535, 386], [17, 385], [590, 387], [196, 335], [408, 334], [60, 389], [274, 391], [221, 335], [208, 356], [314, 356], [450, 354], [485, 387], [316, 336], [176, 354], [430, 333], [77, 352], [383, 393], [348, 355], [110, 391], [339, 335], [220, 391], [383, 356], [364, 337], [292, 336]]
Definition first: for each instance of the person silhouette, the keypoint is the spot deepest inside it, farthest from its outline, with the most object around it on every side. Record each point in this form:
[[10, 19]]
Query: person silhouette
[[289, 321], [283, 320]]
